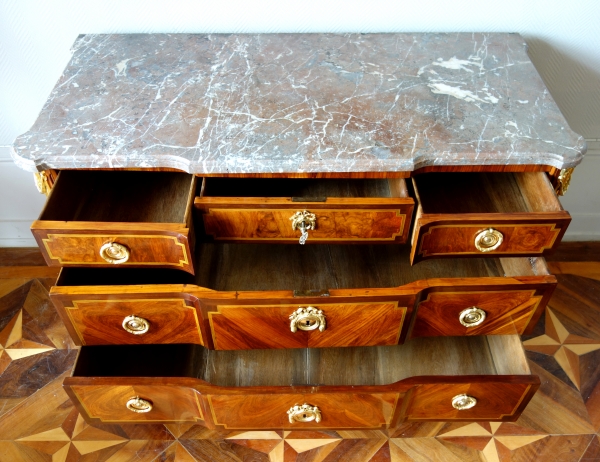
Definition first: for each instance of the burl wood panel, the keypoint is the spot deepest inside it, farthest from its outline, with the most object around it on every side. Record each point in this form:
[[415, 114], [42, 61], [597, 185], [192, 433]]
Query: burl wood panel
[[495, 400], [104, 403], [99, 322], [258, 327], [78, 244], [454, 235], [507, 312], [338, 220], [338, 410]]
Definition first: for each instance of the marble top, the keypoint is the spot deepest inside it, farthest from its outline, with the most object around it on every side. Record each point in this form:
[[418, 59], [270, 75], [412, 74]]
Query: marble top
[[275, 103]]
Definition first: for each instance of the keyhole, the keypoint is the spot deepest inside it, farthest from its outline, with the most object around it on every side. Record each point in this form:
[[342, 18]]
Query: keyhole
[[308, 323], [304, 416]]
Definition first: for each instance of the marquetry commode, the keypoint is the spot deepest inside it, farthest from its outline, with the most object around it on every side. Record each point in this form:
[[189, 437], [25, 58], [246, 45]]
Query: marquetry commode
[[300, 230]]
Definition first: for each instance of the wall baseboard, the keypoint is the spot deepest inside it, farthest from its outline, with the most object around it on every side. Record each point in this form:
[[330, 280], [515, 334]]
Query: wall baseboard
[[16, 233], [583, 227]]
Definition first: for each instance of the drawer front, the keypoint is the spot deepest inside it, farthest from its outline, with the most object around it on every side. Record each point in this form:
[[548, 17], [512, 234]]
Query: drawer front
[[134, 321], [337, 410], [383, 221], [64, 247], [495, 401], [482, 313], [109, 403], [519, 237], [237, 327]]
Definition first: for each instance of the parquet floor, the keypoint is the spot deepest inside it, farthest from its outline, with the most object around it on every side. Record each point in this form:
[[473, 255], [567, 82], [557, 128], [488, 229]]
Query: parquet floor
[[39, 423]]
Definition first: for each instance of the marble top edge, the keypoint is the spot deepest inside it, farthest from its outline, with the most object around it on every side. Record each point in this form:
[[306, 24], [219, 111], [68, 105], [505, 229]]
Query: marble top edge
[[289, 103]]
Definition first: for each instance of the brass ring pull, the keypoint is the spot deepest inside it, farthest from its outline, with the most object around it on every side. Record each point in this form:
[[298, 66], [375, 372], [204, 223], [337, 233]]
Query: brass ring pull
[[309, 318], [135, 325], [472, 317], [463, 402], [304, 413], [139, 405], [115, 253], [304, 221], [488, 240]]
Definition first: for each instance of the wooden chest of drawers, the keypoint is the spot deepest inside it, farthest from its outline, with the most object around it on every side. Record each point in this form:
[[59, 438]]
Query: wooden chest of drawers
[[347, 249], [376, 387]]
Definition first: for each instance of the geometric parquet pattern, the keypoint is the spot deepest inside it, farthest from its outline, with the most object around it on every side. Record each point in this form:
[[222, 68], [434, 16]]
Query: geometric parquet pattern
[[39, 423]]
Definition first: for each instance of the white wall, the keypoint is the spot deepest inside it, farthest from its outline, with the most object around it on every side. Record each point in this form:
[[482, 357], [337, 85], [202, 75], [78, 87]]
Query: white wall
[[35, 37]]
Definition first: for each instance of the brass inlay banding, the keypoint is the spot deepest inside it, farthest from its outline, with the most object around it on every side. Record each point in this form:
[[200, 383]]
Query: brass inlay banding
[[222, 308], [388, 418], [393, 237], [55, 236], [536, 299], [551, 226], [102, 419], [81, 305]]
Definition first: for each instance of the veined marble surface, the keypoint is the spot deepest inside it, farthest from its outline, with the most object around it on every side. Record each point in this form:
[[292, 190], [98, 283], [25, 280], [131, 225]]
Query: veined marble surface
[[298, 103]]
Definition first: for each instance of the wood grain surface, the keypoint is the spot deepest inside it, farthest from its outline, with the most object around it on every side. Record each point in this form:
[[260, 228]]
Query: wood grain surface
[[148, 212], [495, 400], [108, 404], [360, 324], [100, 322], [239, 210], [354, 387], [38, 421], [234, 318], [453, 209], [507, 312], [338, 410], [78, 244]]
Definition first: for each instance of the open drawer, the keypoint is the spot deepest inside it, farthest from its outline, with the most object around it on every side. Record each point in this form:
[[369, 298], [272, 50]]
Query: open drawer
[[125, 218], [328, 210], [249, 296], [482, 214], [445, 378]]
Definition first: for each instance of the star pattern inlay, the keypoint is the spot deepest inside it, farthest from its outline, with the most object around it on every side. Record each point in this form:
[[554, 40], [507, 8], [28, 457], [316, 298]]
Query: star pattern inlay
[[13, 346], [485, 438], [565, 347]]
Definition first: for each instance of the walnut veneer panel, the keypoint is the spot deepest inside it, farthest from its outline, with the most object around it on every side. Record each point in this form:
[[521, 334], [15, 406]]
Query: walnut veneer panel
[[108, 404], [454, 208], [70, 244], [246, 299], [241, 210], [506, 312], [338, 410], [368, 387], [385, 221], [351, 324], [496, 400], [98, 322], [147, 212]]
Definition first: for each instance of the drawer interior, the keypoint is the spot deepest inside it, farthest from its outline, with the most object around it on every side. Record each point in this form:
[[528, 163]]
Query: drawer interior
[[454, 193], [436, 356], [303, 188], [236, 267], [120, 196]]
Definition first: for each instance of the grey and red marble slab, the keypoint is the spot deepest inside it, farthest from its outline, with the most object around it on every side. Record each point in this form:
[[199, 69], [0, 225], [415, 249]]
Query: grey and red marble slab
[[298, 103]]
